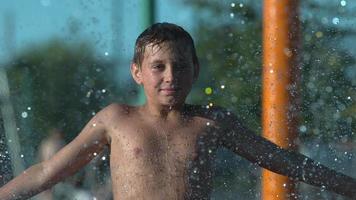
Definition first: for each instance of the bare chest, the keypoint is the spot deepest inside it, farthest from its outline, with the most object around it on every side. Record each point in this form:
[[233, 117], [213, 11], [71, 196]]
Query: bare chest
[[158, 148], [175, 158]]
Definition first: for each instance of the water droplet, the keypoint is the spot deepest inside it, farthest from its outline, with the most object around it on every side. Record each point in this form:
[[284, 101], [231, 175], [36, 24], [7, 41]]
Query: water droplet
[[324, 20], [21, 155], [222, 86], [211, 104], [208, 123], [208, 90], [103, 90], [94, 125], [195, 170], [89, 93], [336, 20], [303, 128], [343, 3], [241, 5], [106, 53], [323, 188], [305, 161], [24, 114], [349, 98], [329, 89], [29, 108], [232, 15], [232, 5], [319, 34], [271, 71], [95, 154], [103, 158]]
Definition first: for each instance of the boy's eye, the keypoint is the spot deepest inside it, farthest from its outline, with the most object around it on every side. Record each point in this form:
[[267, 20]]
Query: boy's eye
[[157, 66]]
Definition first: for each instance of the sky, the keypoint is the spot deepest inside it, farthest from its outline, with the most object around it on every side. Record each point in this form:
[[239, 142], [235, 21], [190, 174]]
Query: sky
[[37, 21]]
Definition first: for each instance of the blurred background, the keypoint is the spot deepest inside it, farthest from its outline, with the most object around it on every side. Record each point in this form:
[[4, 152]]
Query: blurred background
[[62, 61]]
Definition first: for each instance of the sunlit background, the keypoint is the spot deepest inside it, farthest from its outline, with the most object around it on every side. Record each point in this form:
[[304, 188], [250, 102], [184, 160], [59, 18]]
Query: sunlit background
[[62, 61]]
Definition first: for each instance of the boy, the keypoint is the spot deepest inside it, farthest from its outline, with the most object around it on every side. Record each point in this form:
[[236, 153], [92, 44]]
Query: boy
[[164, 148]]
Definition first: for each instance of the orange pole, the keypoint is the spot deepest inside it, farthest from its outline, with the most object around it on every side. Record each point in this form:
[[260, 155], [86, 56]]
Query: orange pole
[[280, 38]]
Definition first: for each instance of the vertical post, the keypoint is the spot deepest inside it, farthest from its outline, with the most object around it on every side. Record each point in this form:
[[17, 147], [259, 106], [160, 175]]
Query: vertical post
[[147, 13], [6, 107], [147, 18], [280, 74], [10, 125]]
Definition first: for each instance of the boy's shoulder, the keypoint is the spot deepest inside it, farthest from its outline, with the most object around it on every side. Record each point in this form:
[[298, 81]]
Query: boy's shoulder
[[123, 112], [115, 111], [117, 108], [210, 112], [216, 115]]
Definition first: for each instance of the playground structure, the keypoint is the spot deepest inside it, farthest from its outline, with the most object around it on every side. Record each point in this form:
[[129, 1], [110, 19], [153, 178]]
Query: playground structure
[[280, 87]]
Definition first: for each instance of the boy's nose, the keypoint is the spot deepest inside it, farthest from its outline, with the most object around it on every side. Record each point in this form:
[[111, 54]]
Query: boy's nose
[[169, 74]]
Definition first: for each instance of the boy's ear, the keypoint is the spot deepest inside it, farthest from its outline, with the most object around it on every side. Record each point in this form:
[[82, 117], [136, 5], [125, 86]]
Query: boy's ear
[[136, 73], [196, 72]]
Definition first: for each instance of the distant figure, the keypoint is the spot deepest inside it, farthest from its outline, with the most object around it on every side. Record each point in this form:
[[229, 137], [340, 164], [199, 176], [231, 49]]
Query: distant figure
[[49, 147], [73, 191], [164, 149]]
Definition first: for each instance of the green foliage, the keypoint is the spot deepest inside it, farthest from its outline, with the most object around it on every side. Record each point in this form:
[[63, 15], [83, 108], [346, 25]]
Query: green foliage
[[328, 86], [228, 38], [59, 86], [229, 48]]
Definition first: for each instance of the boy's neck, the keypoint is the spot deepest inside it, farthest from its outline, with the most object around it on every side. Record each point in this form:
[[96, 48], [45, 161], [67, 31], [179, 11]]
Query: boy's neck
[[164, 112]]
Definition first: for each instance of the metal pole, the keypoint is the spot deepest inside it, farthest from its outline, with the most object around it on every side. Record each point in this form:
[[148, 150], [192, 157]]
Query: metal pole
[[280, 74]]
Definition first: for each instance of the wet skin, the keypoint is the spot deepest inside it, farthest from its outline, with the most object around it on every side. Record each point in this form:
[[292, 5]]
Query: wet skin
[[157, 159], [164, 149]]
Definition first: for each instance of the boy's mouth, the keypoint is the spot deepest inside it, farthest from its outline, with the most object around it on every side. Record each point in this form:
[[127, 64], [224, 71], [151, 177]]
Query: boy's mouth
[[169, 90]]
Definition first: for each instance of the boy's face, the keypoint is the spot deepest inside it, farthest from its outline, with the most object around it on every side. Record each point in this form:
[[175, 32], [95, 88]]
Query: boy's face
[[167, 73]]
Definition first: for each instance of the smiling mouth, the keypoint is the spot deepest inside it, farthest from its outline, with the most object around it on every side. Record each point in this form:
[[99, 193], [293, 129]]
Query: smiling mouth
[[169, 91]]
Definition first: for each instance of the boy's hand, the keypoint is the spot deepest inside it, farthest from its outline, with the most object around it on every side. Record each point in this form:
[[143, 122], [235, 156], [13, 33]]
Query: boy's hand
[[268, 155], [92, 139]]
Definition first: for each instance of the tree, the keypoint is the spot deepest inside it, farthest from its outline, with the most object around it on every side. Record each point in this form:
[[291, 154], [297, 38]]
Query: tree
[[228, 38], [57, 85]]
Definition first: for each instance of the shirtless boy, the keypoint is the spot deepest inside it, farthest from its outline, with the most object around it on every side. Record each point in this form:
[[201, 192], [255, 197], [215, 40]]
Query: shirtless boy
[[164, 149]]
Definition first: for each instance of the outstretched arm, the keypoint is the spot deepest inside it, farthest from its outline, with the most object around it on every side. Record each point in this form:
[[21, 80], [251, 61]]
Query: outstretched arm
[[285, 162], [93, 138]]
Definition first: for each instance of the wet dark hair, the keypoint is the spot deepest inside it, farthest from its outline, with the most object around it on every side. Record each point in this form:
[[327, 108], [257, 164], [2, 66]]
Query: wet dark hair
[[159, 33]]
